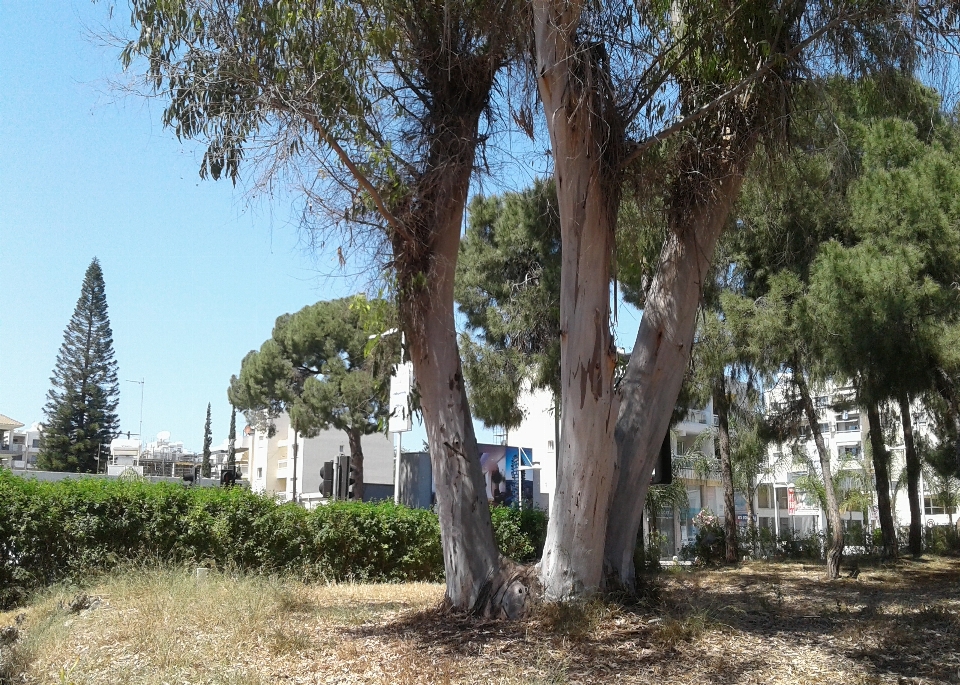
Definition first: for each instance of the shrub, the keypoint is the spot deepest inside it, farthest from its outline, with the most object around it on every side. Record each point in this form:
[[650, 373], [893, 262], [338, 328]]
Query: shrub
[[69, 529], [709, 545], [520, 533]]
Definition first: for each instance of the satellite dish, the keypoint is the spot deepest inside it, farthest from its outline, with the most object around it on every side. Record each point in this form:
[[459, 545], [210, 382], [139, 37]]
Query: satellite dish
[[163, 436]]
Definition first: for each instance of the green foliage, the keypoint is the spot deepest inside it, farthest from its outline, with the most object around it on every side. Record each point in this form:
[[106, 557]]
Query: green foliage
[[81, 409], [316, 368], [207, 443], [520, 533], [69, 529], [508, 288]]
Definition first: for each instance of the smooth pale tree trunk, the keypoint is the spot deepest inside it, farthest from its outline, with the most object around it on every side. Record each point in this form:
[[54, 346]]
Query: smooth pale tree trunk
[[721, 403], [356, 462], [655, 372], [584, 142], [881, 470], [913, 477], [835, 552]]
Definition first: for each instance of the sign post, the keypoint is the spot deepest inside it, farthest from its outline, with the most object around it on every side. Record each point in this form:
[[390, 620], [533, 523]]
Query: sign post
[[400, 420]]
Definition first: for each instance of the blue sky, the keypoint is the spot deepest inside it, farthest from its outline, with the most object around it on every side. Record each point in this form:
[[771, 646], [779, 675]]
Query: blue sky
[[196, 271]]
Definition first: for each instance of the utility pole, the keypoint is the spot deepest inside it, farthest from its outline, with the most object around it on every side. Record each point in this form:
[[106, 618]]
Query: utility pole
[[142, 382]]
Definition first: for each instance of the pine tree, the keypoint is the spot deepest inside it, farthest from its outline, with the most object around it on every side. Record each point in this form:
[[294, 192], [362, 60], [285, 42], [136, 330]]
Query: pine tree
[[232, 445], [81, 410], [207, 441]]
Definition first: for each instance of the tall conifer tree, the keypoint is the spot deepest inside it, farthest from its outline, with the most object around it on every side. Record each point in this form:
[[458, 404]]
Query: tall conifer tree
[[207, 442], [232, 444], [81, 411]]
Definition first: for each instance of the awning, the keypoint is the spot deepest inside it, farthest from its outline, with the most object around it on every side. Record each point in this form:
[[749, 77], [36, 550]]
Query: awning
[[8, 424]]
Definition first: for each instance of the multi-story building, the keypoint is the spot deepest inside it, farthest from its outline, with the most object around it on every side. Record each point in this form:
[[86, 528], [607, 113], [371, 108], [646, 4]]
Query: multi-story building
[[782, 505], [268, 461]]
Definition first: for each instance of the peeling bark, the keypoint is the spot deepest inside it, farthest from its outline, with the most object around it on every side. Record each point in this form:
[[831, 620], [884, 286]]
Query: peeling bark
[[585, 137], [881, 470], [913, 477], [478, 580], [835, 552], [655, 372]]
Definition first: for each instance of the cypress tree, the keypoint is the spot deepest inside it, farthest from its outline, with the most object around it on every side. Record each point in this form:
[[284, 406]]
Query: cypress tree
[[207, 441], [81, 410], [232, 445]]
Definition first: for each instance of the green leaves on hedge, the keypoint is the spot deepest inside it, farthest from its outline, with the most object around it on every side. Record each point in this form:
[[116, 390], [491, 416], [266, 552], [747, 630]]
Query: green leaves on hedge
[[66, 530]]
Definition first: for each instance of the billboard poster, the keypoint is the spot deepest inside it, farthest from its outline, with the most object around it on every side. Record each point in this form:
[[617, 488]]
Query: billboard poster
[[502, 472]]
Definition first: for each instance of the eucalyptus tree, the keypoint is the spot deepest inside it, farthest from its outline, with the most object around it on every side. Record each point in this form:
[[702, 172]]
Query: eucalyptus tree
[[376, 108], [614, 83]]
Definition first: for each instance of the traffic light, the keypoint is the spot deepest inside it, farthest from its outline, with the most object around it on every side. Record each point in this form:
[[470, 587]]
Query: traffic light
[[326, 474], [663, 472], [346, 482]]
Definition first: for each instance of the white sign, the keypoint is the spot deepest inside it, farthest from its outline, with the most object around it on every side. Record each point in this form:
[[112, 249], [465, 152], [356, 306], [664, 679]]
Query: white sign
[[400, 384]]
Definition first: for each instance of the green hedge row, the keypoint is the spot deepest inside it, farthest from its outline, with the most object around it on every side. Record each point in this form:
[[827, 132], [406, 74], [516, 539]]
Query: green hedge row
[[69, 529]]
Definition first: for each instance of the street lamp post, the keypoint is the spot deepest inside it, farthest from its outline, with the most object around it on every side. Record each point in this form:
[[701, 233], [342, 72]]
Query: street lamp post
[[141, 382]]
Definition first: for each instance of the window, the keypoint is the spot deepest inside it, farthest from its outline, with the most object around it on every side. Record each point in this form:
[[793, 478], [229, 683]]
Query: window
[[36, 443], [766, 523], [550, 446], [260, 472], [848, 451], [824, 427], [782, 499], [847, 420], [681, 447], [765, 497], [931, 508], [821, 401]]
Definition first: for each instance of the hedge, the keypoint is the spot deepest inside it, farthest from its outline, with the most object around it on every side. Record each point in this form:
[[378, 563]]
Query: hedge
[[69, 529]]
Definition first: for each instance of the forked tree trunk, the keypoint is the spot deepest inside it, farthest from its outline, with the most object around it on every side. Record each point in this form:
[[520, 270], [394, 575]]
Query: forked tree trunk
[[913, 477], [881, 470], [356, 462], [721, 403], [655, 372], [585, 140], [835, 552]]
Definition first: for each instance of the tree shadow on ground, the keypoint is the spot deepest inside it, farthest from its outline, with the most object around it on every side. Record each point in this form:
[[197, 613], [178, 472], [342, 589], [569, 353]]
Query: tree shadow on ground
[[724, 626]]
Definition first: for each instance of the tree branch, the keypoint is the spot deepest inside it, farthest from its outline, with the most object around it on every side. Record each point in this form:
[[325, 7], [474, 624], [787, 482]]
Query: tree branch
[[767, 66]]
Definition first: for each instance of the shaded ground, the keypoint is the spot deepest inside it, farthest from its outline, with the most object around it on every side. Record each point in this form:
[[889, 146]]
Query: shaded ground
[[760, 623]]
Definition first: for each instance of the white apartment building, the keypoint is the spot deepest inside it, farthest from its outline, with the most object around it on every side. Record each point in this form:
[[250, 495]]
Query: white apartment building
[[268, 463], [539, 433], [782, 506]]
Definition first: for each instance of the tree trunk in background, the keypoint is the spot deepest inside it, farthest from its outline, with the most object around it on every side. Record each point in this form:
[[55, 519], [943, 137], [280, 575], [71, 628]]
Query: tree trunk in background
[[356, 462], [585, 138], [881, 470], [835, 552], [657, 365], [913, 477], [721, 403], [752, 514]]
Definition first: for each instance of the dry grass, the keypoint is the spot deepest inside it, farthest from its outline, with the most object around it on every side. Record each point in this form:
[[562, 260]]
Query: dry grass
[[760, 623]]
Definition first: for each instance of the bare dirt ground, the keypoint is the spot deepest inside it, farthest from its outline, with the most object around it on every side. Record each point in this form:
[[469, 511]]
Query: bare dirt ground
[[759, 623]]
